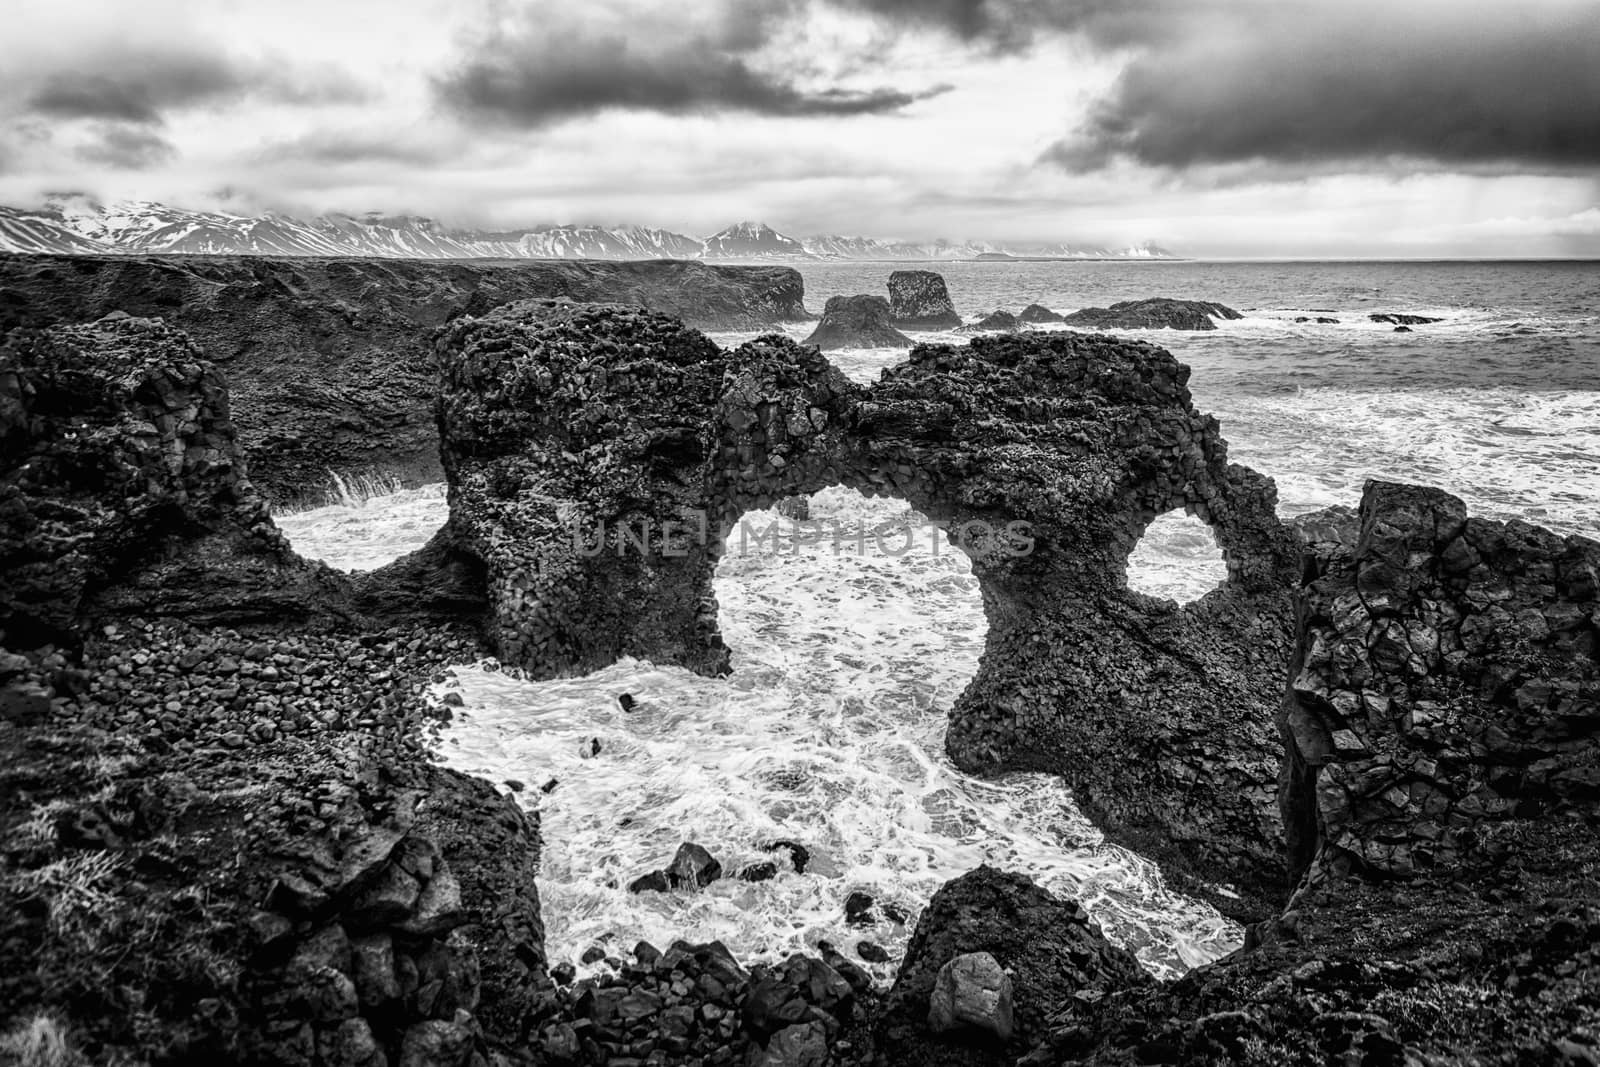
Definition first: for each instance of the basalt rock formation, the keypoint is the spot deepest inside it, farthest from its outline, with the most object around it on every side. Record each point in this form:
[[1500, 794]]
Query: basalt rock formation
[[1154, 313], [857, 322], [329, 359], [598, 456], [1448, 676], [918, 300], [123, 486]]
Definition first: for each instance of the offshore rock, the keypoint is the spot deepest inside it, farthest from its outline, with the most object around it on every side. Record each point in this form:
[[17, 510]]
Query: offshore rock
[[918, 300], [1153, 314], [994, 321], [123, 489], [1038, 313], [857, 322], [1397, 319], [1448, 678], [598, 457], [329, 359]]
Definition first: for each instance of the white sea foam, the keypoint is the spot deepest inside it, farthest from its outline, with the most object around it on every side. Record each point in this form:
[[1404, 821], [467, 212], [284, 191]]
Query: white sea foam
[[365, 534], [829, 732]]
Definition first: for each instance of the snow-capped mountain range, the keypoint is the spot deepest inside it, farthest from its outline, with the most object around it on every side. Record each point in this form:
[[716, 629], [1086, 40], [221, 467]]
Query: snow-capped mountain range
[[79, 225]]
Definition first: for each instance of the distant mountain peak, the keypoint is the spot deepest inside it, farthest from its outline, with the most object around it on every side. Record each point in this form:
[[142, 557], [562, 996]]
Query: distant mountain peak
[[77, 223]]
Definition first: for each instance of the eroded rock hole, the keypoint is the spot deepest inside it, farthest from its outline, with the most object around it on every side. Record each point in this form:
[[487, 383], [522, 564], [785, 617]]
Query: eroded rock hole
[[366, 523], [1177, 559]]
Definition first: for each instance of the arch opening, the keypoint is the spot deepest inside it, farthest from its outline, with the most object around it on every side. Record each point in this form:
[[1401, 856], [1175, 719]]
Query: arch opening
[[365, 523], [852, 633], [1178, 558]]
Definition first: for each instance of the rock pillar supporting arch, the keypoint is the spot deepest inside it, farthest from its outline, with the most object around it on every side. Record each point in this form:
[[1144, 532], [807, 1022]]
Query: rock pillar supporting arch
[[562, 421]]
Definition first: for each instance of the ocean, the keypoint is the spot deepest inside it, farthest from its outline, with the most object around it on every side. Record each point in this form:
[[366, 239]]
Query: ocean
[[829, 731]]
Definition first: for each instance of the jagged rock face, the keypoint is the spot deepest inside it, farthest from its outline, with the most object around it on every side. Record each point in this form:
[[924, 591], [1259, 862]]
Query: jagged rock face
[[1153, 314], [1448, 677], [1038, 313], [1048, 946], [329, 359], [918, 300], [123, 487], [857, 322], [561, 423]]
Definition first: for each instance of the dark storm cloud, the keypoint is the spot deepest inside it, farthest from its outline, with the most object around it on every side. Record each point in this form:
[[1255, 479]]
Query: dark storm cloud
[[135, 88], [1014, 25], [1514, 87], [126, 147], [141, 85], [539, 75]]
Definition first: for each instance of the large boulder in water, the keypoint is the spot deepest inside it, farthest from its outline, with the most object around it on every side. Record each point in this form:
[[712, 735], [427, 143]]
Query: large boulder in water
[[994, 321], [1153, 314], [857, 322], [918, 300], [1038, 313]]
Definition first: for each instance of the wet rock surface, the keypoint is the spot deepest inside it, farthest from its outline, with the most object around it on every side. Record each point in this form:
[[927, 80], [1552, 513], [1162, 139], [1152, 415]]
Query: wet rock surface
[[997, 321], [1154, 313], [583, 490], [329, 359], [1400, 320], [857, 322], [919, 300]]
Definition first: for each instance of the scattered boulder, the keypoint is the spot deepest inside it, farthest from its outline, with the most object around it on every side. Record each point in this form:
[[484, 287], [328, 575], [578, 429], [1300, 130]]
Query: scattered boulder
[[1035, 313], [1155, 313], [998, 320], [972, 992], [799, 855], [654, 882], [858, 909], [1402, 329], [1321, 320], [918, 300], [801, 1045], [872, 952], [856, 322], [693, 867], [1401, 320]]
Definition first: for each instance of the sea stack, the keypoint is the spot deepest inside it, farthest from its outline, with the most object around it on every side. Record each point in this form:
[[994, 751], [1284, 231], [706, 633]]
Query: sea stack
[[918, 300], [857, 322]]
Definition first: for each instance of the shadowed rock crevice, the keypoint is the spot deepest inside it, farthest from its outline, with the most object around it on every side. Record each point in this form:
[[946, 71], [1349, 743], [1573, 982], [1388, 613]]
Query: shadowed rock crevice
[[598, 455]]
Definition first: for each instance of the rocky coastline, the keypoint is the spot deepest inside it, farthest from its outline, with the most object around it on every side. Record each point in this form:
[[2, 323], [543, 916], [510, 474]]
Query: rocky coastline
[[222, 838]]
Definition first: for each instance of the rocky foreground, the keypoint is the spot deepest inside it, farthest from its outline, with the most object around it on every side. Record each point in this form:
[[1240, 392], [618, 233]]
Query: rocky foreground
[[222, 840]]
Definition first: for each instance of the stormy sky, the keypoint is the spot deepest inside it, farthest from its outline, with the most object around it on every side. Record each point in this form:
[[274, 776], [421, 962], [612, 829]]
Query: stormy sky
[[1215, 127]]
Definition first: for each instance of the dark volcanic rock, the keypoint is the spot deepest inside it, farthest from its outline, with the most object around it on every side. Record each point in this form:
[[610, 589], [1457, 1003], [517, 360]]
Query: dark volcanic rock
[[1048, 946], [857, 322], [123, 488], [1038, 313], [620, 427], [918, 300], [1448, 678], [1321, 320], [1155, 313], [1401, 320], [329, 359], [994, 321]]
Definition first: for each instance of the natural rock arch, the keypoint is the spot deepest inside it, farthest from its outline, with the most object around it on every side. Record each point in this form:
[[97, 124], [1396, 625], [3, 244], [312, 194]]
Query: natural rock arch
[[597, 455]]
